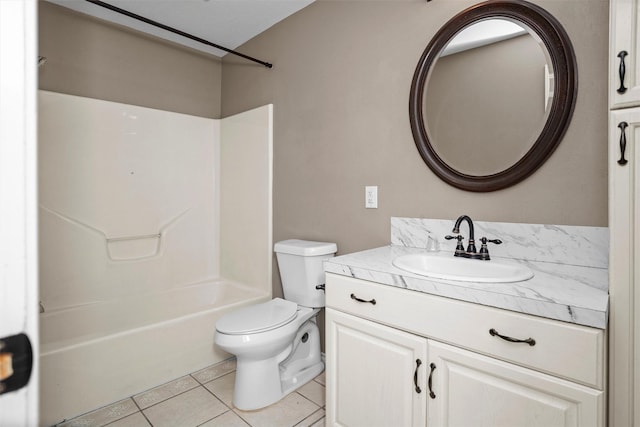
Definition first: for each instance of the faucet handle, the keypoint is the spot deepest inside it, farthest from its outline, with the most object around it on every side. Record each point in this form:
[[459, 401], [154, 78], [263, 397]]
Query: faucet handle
[[484, 251], [496, 241], [459, 246]]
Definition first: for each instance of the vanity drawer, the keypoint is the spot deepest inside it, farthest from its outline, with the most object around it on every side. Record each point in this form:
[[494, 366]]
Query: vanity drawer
[[566, 350]]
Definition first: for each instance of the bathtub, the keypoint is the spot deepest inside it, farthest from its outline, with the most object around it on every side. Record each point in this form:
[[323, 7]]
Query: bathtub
[[98, 353]]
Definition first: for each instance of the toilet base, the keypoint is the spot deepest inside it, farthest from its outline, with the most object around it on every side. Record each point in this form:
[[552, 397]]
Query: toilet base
[[305, 362], [302, 378], [262, 383]]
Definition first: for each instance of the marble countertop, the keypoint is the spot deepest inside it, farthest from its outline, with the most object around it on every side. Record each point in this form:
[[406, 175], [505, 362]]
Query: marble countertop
[[566, 292]]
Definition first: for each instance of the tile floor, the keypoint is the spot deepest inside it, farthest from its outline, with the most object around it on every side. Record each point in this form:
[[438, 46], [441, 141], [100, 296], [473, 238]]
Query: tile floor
[[204, 399]]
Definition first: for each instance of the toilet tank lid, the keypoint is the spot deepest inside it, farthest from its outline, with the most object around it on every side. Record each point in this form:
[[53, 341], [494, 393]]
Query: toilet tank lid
[[305, 247]]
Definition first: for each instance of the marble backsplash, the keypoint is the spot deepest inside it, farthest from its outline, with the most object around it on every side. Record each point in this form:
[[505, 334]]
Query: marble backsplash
[[561, 244]]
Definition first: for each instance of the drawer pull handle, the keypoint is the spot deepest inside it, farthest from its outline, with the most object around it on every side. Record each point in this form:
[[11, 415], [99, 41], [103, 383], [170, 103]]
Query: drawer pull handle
[[495, 333], [371, 301], [431, 393], [415, 376], [623, 142], [621, 71]]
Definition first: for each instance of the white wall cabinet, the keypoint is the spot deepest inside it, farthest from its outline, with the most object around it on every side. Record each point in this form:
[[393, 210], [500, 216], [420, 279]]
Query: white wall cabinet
[[467, 376], [624, 208], [624, 321], [624, 54]]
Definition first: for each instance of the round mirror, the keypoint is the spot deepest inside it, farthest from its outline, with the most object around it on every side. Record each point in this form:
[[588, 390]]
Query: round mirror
[[493, 94]]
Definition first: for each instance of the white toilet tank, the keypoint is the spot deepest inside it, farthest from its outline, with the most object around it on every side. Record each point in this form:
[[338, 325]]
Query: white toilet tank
[[301, 269]]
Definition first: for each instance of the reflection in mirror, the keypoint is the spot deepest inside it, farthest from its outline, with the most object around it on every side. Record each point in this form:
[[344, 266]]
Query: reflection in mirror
[[455, 127], [487, 97]]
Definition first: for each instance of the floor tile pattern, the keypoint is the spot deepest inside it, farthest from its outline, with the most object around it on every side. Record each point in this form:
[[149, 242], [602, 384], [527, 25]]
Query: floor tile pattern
[[203, 399]]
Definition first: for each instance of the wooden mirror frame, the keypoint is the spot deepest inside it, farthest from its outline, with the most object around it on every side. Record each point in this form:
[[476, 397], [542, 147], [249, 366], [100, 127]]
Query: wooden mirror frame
[[563, 61]]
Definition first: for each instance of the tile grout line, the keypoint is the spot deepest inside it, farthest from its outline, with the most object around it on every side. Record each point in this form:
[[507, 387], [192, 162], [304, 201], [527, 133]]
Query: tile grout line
[[183, 392], [217, 416], [308, 399], [163, 400], [141, 411], [116, 420], [220, 400], [311, 415]]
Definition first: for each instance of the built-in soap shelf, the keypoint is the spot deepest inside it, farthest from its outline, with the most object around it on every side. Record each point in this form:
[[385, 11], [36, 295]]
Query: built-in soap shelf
[[128, 247], [131, 248]]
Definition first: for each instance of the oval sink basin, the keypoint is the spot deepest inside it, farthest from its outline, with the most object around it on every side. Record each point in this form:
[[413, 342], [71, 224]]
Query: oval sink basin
[[462, 269]]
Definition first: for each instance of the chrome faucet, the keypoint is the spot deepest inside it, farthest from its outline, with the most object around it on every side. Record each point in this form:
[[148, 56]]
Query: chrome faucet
[[471, 251]]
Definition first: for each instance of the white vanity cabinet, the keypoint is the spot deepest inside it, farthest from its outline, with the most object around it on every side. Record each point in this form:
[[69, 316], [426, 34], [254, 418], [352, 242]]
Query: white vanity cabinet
[[465, 376], [624, 54]]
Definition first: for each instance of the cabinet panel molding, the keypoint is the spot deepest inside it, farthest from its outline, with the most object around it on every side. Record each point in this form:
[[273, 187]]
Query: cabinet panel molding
[[373, 377], [624, 48], [472, 389], [624, 323]]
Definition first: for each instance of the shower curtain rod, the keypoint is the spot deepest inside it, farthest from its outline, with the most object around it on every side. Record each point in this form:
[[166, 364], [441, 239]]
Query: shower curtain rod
[[175, 31]]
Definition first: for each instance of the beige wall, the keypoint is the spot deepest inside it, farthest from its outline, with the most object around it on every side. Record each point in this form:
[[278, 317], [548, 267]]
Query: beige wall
[[340, 89], [89, 57]]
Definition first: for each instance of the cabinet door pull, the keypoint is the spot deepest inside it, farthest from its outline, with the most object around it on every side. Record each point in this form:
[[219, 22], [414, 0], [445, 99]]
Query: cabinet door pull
[[431, 393], [621, 71], [623, 142], [415, 376], [495, 333], [371, 301]]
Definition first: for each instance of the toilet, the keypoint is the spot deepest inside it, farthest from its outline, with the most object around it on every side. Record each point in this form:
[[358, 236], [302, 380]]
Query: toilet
[[277, 343]]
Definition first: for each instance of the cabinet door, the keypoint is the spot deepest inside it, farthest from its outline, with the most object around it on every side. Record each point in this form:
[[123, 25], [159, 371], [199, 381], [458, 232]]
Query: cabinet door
[[624, 49], [474, 390], [624, 256], [375, 374]]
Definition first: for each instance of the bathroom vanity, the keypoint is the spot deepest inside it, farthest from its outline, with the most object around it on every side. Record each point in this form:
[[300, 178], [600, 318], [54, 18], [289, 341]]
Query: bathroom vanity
[[405, 349]]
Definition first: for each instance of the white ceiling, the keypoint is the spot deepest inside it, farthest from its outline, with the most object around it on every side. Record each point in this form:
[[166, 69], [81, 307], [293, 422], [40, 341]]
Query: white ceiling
[[228, 23]]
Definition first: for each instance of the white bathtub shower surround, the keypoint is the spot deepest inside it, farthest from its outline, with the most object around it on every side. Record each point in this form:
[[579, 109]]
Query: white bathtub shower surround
[[570, 266], [113, 176], [132, 274]]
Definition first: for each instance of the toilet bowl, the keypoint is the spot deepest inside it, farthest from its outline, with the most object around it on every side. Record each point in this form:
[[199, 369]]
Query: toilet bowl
[[277, 343], [260, 353]]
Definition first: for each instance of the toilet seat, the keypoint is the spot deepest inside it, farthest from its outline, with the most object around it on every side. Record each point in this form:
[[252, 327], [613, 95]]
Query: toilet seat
[[258, 318]]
